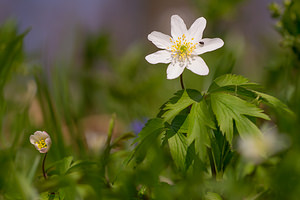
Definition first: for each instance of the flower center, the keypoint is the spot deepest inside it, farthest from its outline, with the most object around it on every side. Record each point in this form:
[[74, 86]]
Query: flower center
[[41, 144], [181, 48]]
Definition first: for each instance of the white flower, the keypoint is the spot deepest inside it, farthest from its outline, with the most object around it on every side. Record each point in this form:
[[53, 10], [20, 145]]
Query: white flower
[[257, 148], [41, 140], [182, 49]]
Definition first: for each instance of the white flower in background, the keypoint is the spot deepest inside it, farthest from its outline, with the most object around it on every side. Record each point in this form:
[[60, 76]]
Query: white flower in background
[[41, 140], [182, 49], [258, 148]]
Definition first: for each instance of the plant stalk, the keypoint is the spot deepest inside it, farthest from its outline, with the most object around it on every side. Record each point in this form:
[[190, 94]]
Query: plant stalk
[[181, 81], [43, 166], [212, 163]]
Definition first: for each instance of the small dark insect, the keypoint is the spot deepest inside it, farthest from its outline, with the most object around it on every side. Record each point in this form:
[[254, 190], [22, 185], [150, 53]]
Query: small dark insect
[[201, 43]]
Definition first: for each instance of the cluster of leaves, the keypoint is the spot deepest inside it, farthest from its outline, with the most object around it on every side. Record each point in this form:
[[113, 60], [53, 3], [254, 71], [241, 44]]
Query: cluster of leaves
[[286, 71], [202, 126], [289, 24]]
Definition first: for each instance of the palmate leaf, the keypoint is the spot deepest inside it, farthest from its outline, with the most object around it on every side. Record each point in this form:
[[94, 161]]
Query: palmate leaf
[[240, 86], [221, 150], [178, 148], [200, 125], [177, 140], [180, 101], [228, 108], [231, 80], [276, 103]]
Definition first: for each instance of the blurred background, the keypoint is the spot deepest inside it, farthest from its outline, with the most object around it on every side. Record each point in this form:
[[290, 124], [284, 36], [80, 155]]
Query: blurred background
[[60, 30], [73, 63], [106, 42]]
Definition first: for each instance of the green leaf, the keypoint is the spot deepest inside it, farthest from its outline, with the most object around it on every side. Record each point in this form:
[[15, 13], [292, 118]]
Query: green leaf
[[177, 140], [147, 137], [121, 138], [65, 164], [231, 80], [150, 126], [61, 166], [246, 127], [190, 155], [276, 103], [178, 148], [200, 125], [240, 86], [81, 165], [221, 151], [212, 196], [228, 108], [182, 100]]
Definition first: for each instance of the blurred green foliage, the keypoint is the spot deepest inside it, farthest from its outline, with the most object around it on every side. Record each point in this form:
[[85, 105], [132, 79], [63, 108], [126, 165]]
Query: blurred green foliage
[[60, 100]]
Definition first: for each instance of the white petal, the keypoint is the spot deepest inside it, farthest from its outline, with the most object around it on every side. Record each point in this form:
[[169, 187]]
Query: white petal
[[210, 44], [160, 40], [41, 134], [161, 56], [48, 143], [196, 30], [178, 27], [37, 136], [43, 150], [174, 70], [198, 66], [33, 139]]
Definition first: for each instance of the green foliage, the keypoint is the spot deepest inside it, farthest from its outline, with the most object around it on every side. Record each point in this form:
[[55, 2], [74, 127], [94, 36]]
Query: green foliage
[[147, 137], [207, 122], [228, 108], [212, 196], [11, 47], [188, 151], [201, 124], [180, 101]]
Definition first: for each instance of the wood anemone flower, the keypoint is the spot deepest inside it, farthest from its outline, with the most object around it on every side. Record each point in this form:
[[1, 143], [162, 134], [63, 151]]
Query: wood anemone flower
[[182, 50], [41, 140]]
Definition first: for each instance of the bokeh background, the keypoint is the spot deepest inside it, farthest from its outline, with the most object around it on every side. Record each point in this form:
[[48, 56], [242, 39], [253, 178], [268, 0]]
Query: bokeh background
[[98, 38], [82, 62]]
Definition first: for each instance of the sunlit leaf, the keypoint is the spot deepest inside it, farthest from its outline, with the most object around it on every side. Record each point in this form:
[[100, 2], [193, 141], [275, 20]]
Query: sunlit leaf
[[200, 125], [182, 99], [228, 108], [178, 148]]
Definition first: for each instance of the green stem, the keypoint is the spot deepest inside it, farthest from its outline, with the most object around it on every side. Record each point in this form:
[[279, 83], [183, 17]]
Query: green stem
[[43, 166], [212, 163], [181, 81]]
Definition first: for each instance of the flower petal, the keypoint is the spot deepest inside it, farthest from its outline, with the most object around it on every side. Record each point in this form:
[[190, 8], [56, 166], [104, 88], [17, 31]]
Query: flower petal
[[196, 30], [210, 44], [161, 56], [160, 40], [198, 66], [33, 139], [48, 143], [174, 70], [178, 27], [43, 150], [41, 134]]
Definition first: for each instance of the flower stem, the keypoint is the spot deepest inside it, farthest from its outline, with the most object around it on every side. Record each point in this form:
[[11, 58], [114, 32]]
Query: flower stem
[[43, 166], [181, 81]]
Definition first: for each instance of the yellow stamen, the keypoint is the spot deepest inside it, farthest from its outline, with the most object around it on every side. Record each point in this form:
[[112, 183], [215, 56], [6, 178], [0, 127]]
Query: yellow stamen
[[41, 144], [181, 48]]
